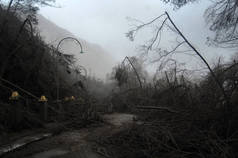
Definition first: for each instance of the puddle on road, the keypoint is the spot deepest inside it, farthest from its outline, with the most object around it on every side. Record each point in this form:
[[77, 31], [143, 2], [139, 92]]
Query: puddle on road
[[118, 119], [51, 153]]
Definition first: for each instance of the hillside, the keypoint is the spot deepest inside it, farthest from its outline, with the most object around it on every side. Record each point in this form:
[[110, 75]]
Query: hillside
[[95, 59]]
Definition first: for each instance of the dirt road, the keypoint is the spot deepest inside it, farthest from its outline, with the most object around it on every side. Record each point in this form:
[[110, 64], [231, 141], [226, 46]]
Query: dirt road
[[76, 143]]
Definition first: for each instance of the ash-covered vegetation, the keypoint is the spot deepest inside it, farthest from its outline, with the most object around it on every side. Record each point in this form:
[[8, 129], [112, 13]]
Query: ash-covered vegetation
[[33, 69], [177, 117], [179, 112]]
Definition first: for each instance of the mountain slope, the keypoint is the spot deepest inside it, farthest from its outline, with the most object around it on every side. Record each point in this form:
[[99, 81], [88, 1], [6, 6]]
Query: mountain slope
[[96, 60]]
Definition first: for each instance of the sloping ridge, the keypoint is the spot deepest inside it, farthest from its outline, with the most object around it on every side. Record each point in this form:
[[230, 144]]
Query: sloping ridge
[[95, 59]]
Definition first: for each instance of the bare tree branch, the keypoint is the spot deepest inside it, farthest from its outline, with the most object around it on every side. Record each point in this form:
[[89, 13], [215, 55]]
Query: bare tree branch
[[137, 75]]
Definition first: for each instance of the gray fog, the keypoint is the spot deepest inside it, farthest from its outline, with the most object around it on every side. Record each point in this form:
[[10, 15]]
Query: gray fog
[[105, 22]]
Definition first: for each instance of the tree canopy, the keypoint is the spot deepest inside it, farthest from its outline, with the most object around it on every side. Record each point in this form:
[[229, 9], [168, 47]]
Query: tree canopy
[[28, 8]]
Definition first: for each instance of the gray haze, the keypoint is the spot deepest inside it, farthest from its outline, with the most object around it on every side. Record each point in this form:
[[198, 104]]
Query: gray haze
[[105, 22], [95, 59]]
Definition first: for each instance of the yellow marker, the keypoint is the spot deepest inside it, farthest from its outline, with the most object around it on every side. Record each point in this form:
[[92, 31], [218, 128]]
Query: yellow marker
[[72, 98], [15, 95], [43, 99]]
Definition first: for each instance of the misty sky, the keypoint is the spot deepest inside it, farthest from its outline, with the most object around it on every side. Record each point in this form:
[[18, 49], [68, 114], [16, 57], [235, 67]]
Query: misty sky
[[104, 22]]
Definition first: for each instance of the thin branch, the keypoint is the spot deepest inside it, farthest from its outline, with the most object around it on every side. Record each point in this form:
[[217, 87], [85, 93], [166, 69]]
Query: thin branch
[[228, 110], [132, 32], [148, 23], [180, 44], [157, 34], [137, 75]]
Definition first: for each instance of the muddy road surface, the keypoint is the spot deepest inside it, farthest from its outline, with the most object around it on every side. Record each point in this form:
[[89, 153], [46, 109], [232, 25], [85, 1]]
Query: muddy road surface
[[75, 143]]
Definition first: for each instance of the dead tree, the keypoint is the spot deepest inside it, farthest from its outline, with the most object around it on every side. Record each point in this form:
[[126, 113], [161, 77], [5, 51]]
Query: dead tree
[[162, 54], [134, 69]]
